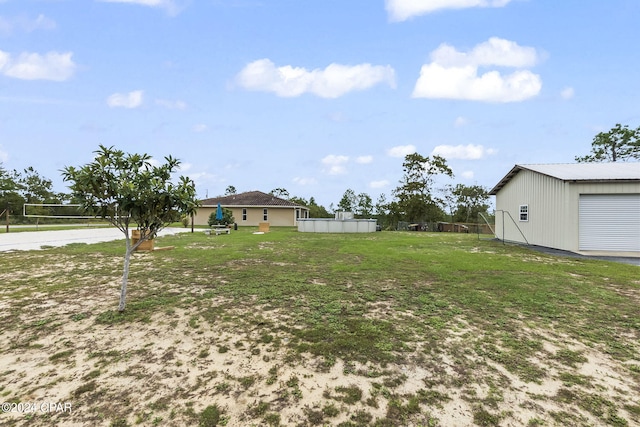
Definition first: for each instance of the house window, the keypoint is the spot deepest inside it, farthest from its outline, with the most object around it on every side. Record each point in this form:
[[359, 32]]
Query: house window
[[297, 213], [264, 214], [524, 213], [244, 214]]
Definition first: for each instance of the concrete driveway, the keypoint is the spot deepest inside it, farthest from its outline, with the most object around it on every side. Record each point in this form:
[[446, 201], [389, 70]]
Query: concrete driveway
[[34, 240]]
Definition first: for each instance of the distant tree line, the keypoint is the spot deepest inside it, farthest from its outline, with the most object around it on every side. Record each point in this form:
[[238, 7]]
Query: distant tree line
[[26, 186], [416, 200]]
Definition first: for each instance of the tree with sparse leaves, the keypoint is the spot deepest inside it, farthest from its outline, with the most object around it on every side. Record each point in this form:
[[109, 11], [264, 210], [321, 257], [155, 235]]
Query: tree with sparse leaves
[[348, 201], [364, 205], [470, 200], [126, 189], [281, 193], [619, 144], [415, 196]]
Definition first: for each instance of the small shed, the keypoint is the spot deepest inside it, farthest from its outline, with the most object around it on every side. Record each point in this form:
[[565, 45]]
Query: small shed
[[585, 207]]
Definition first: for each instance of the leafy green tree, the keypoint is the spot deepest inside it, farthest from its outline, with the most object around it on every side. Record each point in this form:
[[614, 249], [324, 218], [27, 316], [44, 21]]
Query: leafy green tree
[[315, 210], [348, 201], [18, 188], [127, 189], [9, 196], [619, 144], [415, 196], [469, 200], [394, 214], [381, 211], [36, 189], [364, 205], [381, 207]]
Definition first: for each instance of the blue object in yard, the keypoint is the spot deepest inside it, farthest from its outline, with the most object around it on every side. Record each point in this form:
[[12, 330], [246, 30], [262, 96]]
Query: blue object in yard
[[219, 212]]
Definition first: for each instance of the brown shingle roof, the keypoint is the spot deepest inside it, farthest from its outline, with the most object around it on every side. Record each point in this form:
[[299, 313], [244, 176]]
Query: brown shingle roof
[[250, 198]]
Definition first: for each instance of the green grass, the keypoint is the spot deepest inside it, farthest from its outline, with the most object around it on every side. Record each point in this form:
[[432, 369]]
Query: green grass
[[371, 299]]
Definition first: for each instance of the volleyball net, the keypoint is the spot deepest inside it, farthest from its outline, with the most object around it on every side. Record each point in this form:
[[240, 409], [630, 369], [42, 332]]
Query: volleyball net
[[55, 210]]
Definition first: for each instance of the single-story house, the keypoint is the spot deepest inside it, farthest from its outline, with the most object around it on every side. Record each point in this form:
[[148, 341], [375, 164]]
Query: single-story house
[[591, 208], [252, 208]]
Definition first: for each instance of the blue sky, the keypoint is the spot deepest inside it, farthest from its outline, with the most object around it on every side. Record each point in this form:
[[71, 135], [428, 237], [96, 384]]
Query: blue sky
[[315, 96]]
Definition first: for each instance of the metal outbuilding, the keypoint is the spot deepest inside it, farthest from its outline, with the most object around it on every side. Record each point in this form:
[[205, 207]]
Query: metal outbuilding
[[591, 208]]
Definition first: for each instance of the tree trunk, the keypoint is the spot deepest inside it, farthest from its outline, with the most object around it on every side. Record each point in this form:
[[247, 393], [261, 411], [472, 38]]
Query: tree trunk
[[125, 276]]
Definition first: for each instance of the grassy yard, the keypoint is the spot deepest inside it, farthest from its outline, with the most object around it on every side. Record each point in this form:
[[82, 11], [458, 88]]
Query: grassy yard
[[297, 329]]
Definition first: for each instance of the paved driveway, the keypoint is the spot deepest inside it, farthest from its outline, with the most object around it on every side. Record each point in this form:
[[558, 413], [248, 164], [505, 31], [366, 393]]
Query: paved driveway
[[34, 240], [558, 252]]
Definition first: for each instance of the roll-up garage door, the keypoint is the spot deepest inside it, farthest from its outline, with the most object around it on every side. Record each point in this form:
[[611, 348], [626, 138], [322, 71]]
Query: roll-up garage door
[[610, 222]]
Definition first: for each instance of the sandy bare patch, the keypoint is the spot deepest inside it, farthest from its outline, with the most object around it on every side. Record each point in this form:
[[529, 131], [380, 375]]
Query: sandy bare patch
[[167, 370]]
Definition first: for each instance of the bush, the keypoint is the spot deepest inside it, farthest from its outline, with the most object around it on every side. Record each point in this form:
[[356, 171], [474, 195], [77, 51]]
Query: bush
[[227, 218]]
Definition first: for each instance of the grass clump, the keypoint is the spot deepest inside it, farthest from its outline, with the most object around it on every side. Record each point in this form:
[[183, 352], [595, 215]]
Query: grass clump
[[209, 417], [61, 355]]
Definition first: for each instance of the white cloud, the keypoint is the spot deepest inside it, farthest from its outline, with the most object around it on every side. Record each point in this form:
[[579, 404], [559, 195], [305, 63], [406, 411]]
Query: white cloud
[[460, 122], [363, 160], [204, 178], [172, 105], [401, 10], [467, 175], [464, 152], [40, 23], [567, 93], [304, 181], [33, 66], [495, 51], [126, 100], [338, 117], [401, 150], [332, 82], [26, 24], [335, 164], [4, 59], [169, 5], [4, 156], [455, 75], [379, 184], [201, 127]]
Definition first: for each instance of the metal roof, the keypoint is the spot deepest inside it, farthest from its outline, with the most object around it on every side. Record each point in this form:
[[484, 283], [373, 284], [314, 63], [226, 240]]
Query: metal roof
[[616, 171]]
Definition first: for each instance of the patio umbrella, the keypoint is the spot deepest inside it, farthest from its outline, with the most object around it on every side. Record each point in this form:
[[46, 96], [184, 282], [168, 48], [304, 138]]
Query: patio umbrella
[[219, 212]]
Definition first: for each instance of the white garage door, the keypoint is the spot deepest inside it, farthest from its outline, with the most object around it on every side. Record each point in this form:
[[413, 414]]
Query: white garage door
[[610, 222]]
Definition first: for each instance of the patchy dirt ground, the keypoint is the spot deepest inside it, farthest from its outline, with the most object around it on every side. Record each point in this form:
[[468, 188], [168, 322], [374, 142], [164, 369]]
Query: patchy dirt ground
[[62, 367]]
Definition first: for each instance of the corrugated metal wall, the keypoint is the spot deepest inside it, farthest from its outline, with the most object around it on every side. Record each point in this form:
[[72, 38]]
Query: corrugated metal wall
[[553, 208], [546, 198]]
